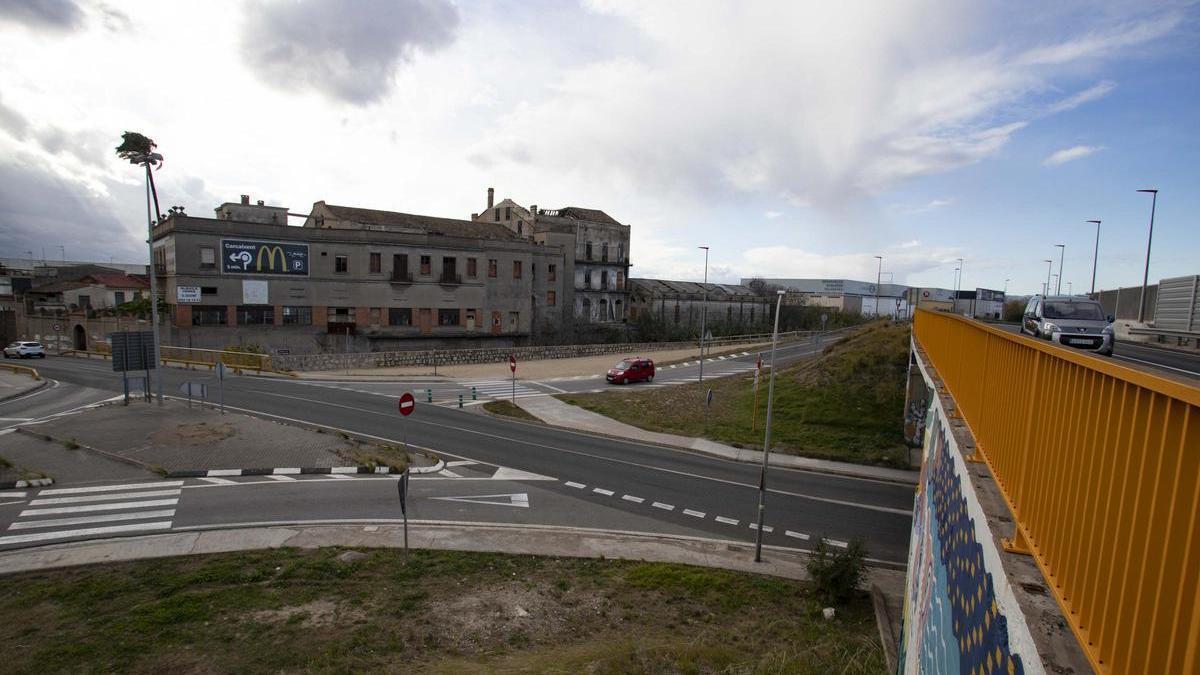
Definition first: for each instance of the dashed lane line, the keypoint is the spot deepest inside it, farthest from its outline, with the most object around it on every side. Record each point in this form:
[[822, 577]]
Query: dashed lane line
[[631, 498], [664, 507], [696, 514], [575, 485], [727, 521], [606, 493], [796, 535]]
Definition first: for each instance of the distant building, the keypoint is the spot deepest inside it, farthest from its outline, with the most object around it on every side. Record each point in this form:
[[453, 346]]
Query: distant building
[[681, 303], [846, 295], [95, 291]]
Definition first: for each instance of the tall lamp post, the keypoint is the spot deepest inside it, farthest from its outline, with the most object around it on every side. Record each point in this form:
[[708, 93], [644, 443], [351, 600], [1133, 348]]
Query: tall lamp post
[[703, 311], [1006, 287], [1149, 240], [762, 478], [1049, 268], [954, 292], [878, 278], [1062, 254], [1095, 254], [139, 150]]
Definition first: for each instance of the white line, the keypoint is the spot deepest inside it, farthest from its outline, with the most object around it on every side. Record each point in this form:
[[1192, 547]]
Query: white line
[[797, 535], [12, 495], [727, 521], [835, 542], [449, 474], [606, 493], [219, 481], [1156, 365], [119, 506], [103, 498], [287, 470], [689, 512], [63, 534], [671, 367], [575, 485], [631, 498], [561, 391], [278, 477], [109, 488], [766, 528], [337, 475], [344, 469], [665, 507], [225, 472], [107, 518], [461, 462]]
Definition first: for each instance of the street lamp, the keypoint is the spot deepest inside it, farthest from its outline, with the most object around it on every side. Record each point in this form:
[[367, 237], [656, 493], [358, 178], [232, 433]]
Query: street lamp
[[1095, 254], [1062, 254], [703, 311], [878, 278], [1049, 267], [762, 478], [1146, 274], [1006, 287], [1070, 288], [954, 293]]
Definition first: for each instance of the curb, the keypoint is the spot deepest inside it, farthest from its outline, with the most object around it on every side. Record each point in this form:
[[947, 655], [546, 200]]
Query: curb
[[292, 471], [32, 482], [40, 383]]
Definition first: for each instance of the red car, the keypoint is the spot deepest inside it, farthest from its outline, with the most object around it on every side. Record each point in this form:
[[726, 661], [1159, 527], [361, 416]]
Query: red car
[[631, 369]]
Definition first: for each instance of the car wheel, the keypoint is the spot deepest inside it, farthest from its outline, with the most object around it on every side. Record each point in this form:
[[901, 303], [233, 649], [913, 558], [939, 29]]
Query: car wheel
[[650, 379], [41, 356]]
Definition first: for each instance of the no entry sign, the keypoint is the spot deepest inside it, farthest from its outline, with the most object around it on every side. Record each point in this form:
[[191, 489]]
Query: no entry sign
[[407, 403], [512, 362]]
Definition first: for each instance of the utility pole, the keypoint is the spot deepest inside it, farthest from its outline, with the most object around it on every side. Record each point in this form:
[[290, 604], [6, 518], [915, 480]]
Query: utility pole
[[1149, 240], [1062, 254], [1095, 254], [878, 278], [703, 311], [762, 479], [1049, 268]]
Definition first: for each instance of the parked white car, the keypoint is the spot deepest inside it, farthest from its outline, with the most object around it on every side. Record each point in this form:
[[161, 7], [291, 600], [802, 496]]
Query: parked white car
[[25, 350]]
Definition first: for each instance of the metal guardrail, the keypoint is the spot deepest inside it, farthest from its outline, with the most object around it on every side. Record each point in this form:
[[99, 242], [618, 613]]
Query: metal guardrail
[[192, 357], [32, 372], [1182, 337], [1100, 465]]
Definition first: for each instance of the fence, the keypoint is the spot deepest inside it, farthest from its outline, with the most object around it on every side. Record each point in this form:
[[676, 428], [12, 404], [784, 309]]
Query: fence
[[1100, 465]]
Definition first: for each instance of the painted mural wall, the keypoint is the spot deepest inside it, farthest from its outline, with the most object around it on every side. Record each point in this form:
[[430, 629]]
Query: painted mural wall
[[960, 615]]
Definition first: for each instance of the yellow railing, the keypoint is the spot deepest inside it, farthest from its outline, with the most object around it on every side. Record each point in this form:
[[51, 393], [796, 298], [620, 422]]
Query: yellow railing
[[1100, 465], [32, 372]]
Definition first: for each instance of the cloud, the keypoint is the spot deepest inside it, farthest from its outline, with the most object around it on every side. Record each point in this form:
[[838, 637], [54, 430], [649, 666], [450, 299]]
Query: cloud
[[798, 263], [344, 53], [1100, 90], [772, 215], [1071, 154], [59, 15], [13, 122]]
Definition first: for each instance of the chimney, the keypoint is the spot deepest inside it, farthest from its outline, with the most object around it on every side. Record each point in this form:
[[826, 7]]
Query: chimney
[[533, 209], [246, 199], [491, 197], [261, 203]]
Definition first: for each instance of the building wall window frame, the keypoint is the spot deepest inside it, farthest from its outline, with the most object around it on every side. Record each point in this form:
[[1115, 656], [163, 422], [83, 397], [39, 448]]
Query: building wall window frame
[[209, 315], [255, 315], [551, 298], [340, 315], [552, 272], [341, 264], [208, 258], [400, 316], [493, 266], [376, 263], [297, 315], [426, 265], [472, 272], [516, 269], [448, 317]]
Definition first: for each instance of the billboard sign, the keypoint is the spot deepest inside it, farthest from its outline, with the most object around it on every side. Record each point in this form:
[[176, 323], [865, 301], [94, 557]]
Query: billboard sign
[[240, 256], [988, 295], [187, 294]]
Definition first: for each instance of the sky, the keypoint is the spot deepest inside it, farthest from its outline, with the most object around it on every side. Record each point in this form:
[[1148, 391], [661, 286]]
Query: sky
[[795, 139]]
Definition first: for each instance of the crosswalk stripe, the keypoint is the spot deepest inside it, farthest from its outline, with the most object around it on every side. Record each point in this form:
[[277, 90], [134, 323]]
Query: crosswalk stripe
[[87, 531], [280, 477], [219, 481], [337, 475], [12, 495], [102, 498], [110, 488], [106, 518], [116, 506]]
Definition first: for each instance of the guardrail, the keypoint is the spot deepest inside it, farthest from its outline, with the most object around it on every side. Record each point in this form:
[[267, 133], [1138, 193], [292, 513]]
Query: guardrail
[[32, 372], [1182, 337], [1100, 465], [191, 357]]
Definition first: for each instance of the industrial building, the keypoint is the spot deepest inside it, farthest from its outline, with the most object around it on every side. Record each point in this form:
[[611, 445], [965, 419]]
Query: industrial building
[[681, 303], [845, 295]]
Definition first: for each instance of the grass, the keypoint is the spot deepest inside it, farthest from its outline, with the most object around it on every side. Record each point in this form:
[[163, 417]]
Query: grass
[[5, 464], [71, 444], [304, 610], [508, 409], [375, 455], [846, 405]]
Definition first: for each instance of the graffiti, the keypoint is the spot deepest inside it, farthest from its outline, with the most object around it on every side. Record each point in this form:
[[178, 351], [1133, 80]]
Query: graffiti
[[914, 422]]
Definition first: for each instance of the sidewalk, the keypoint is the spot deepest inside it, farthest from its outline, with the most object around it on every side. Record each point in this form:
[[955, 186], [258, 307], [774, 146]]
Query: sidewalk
[[13, 384], [556, 413]]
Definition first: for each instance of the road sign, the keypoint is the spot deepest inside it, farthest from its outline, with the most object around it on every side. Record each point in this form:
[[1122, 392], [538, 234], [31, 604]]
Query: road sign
[[407, 404], [512, 362], [133, 350]]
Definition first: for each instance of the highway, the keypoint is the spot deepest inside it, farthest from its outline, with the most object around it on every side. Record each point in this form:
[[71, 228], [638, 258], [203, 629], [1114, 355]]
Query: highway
[[562, 478], [1171, 363]]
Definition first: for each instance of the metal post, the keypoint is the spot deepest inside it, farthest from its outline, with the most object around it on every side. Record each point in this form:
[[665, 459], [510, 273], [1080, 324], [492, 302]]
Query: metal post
[[878, 279], [460, 400], [762, 480], [153, 287], [1146, 274], [514, 390], [1095, 255], [1049, 268], [474, 394], [1062, 254], [429, 395], [703, 311]]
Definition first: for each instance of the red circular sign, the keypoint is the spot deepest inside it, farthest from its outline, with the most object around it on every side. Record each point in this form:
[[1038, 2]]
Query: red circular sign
[[407, 403], [512, 362]]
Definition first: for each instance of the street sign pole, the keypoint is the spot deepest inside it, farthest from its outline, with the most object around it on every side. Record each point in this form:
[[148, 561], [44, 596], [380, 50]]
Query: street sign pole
[[762, 479], [221, 384], [512, 365], [402, 489]]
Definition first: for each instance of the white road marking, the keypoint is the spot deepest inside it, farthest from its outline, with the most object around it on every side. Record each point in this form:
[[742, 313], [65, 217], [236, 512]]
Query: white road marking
[[505, 473], [102, 498], [575, 485], [631, 498], [337, 475], [106, 518], [689, 512], [606, 493], [520, 500], [277, 477], [766, 528], [561, 391], [89, 531], [671, 367], [12, 495], [665, 507], [461, 462], [1156, 365], [797, 535], [835, 542], [110, 488], [118, 506], [225, 472], [727, 521], [449, 474], [219, 481], [344, 469], [287, 470]]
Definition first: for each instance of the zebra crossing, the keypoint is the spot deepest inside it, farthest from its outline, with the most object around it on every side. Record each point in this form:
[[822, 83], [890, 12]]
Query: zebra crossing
[[65, 513], [501, 389]]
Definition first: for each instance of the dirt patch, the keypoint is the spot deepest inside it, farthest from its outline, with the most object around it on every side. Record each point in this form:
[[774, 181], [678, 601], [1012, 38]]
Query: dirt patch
[[194, 435], [315, 614]]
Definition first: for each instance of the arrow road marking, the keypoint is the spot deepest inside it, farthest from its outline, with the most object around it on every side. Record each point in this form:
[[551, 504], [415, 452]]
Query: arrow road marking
[[520, 499]]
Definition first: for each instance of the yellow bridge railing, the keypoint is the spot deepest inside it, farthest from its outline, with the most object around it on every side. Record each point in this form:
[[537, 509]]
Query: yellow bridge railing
[[1100, 465]]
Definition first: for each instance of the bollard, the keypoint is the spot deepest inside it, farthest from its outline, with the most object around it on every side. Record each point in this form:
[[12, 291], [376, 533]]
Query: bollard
[[460, 400], [429, 395], [474, 396]]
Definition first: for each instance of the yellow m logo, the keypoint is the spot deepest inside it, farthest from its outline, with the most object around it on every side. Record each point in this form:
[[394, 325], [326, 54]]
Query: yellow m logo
[[271, 251]]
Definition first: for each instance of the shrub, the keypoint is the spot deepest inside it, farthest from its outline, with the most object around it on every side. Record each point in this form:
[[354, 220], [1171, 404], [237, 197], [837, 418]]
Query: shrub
[[837, 573]]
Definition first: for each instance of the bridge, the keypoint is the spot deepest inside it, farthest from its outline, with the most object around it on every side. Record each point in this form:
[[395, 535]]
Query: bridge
[[1099, 466]]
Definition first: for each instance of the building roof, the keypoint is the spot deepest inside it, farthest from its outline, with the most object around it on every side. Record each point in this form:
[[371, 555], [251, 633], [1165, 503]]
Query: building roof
[[577, 213], [401, 222], [115, 280], [666, 287]]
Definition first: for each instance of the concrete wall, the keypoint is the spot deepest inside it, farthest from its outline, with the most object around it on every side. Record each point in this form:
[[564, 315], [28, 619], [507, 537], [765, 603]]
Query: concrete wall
[[1123, 302]]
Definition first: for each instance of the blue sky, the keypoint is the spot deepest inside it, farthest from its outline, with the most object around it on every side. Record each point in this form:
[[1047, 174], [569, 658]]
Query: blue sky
[[795, 139]]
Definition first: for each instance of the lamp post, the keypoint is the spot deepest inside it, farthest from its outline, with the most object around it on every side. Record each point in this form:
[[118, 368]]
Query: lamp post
[[762, 478], [1095, 254], [1006, 287], [1062, 254], [1070, 288], [703, 311], [1149, 240], [954, 292], [1049, 267], [878, 278]]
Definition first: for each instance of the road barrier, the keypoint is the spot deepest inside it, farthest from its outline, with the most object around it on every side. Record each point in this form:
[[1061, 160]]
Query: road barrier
[[32, 372], [1100, 466]]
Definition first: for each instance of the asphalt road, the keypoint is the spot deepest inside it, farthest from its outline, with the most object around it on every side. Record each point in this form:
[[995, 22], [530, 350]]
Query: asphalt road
[[1167, 362], [581, 480]]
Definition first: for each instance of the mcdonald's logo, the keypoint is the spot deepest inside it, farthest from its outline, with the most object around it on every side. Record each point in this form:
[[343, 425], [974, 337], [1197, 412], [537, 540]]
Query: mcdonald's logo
[[271, 251]]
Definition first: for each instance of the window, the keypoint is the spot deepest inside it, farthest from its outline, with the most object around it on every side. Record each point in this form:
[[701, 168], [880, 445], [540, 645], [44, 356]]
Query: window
[[208, 315], [604, 252], [208, 258], [340, 315], [297, 316], [508, 213], [255, 315], [340, 264], [520, 227], [677, 312], [620, 281], [448, 317], [604, 279], [516, 269], [497, 214], [552, 273], [119, 297], [621, 252], [400, 267], [450, 271], [398, 316], [376, 263], [588, 251], [550, 298], [492, 267], [373, 316], [85, 301], [471, 271], [208, 290], [426, 264], [587, 279]]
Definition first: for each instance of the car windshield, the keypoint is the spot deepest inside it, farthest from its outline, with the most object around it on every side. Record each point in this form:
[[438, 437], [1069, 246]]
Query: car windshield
[[1082, 311], [624, 365]]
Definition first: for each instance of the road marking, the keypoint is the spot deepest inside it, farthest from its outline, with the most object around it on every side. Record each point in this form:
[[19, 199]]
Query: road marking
[[727, 521], [665, 507], [110, 488], [101, 498], [287, 470], [697, 514], [561, 391], [12, 495], [461, 462], [606, 493], [671, 367], [278, 477], [835, 542], [520, 500], [506, 473], [337, 475], [225, 472], [117, 506], [766, 528], [631, 498], [575, 485], [106, 518], [15, 419], [86, 532], [219, 481], [449, 474], [344, 469], [797, 535], [1156, 365]]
